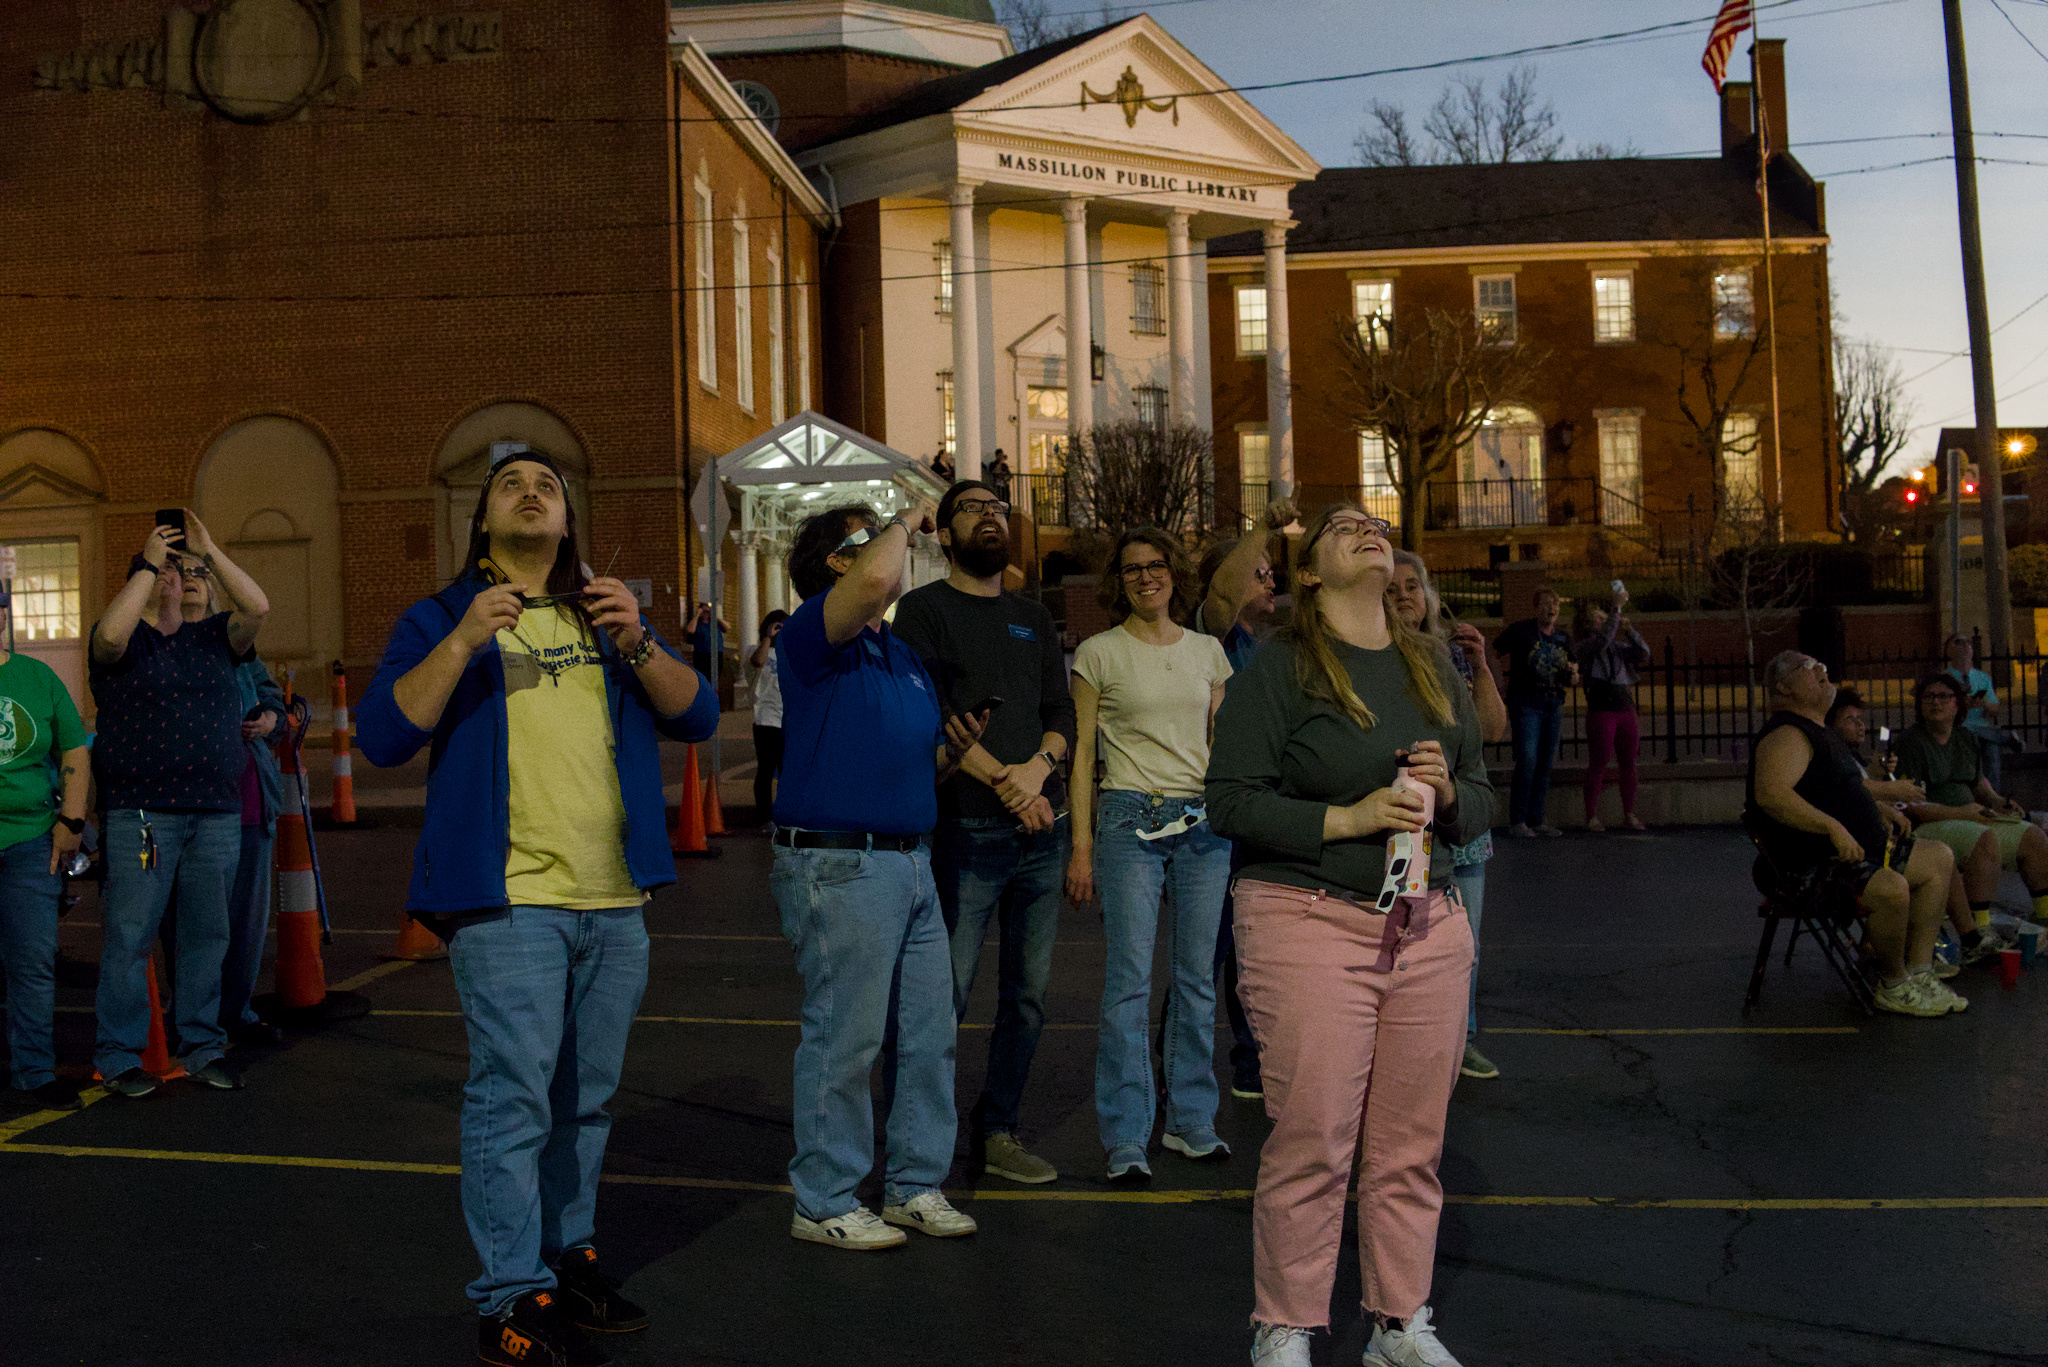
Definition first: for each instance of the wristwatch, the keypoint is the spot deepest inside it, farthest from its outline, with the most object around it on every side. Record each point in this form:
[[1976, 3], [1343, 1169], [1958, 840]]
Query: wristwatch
[[73, 824], [1052, 764]]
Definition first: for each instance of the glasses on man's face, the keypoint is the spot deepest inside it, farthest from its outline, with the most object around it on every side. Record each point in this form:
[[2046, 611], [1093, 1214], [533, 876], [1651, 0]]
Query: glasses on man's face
[[1355, 525], [1937, 697], [1266, 577], [1152, 569], [981, 507]]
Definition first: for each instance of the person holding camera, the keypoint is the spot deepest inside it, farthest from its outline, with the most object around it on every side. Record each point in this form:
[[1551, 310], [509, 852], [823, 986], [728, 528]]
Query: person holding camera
[[41, 821], [1610, 654], [767, 714], [708, 634], [853, 882], [170, 759], [542, 692]]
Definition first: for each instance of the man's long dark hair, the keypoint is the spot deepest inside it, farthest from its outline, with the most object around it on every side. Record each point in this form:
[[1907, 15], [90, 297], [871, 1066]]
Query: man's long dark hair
[[566, 576]]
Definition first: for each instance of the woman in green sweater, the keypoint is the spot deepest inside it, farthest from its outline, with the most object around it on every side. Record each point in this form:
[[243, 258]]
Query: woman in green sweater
[[1360, 1017]]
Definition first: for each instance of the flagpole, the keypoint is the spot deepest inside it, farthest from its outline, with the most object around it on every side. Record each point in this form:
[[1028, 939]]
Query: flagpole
[[1763, 189]]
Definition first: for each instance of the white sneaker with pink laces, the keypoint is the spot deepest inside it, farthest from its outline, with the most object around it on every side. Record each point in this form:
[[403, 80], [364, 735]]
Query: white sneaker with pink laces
[[1414, 1344]]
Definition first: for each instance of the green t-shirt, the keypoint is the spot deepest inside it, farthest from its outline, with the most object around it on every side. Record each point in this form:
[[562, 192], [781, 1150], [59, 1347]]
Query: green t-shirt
[[38, 723], [1949, 772]]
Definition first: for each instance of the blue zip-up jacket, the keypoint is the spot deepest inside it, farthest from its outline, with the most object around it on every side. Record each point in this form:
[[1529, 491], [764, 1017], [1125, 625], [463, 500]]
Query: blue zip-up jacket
[[260, 690], [457, 867]]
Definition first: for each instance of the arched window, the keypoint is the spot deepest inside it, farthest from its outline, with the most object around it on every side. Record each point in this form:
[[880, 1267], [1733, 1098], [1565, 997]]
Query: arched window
[[270, 493], [1500, 471], [465, 458]]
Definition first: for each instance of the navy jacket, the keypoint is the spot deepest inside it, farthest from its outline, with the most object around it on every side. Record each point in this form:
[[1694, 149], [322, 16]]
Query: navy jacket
[[459, 864]]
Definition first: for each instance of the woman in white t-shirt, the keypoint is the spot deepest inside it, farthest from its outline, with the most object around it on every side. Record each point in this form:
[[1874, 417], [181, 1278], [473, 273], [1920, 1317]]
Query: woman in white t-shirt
[[1146, 691], [767, 713]]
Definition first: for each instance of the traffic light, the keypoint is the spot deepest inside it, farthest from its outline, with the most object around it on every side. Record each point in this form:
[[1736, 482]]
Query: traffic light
[[1970, 480], [1912, 495]]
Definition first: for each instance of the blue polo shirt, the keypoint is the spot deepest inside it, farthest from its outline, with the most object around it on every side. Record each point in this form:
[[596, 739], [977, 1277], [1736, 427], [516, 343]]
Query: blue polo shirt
[[860, 727]]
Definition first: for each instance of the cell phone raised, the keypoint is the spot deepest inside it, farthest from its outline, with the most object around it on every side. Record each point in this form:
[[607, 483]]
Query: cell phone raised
[[173, 517], [988, 704]]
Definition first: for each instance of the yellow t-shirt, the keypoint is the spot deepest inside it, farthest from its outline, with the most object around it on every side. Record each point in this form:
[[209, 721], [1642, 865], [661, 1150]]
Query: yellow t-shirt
[[567, 842]]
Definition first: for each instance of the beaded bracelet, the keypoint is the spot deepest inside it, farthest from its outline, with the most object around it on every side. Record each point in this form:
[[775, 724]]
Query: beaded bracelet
[[643, 652]]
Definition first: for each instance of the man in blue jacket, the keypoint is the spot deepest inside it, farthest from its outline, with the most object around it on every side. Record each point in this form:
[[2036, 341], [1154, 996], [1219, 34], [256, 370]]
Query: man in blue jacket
[[542, 692]]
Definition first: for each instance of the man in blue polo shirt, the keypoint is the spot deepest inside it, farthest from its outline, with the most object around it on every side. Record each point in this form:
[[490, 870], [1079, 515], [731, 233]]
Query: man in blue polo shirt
[[862, 736]]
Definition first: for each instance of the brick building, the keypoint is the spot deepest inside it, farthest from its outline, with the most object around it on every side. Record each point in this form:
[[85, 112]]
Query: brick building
[[299, 264], [1639, 277]]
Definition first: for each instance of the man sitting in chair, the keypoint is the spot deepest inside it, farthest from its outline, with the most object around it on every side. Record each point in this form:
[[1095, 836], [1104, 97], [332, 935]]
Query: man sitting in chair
[[1831, 842]]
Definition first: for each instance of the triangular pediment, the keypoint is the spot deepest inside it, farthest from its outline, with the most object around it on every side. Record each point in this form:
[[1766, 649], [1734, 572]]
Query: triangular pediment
[[812, 449], [1048, 341], [37, 486]]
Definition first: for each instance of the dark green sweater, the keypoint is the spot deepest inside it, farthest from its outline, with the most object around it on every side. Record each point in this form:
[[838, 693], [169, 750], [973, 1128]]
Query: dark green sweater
[[1280, 759]]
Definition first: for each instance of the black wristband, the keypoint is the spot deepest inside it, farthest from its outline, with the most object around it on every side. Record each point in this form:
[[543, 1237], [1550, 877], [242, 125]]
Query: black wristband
[[141, 565], [73, 824]]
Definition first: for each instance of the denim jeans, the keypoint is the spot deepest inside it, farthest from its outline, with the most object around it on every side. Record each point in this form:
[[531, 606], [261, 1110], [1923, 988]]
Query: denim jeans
[[877, 981], [548, 995], [1130, 874], [1244, 1047], [196, 856], [28, 948], [1535, 727], [990, 868], [1470, 881], [248, 924]]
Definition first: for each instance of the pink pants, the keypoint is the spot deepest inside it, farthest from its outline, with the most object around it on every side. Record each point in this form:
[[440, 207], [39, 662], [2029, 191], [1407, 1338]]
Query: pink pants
[[1361, 1027], [1611, 735]]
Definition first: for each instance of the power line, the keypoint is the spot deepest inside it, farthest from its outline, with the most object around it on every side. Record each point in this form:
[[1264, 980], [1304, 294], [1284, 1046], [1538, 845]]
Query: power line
[[2017, 29]]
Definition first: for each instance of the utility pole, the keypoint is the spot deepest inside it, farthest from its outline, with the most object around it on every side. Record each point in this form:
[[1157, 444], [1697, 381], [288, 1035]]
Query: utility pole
[[1990, 455]]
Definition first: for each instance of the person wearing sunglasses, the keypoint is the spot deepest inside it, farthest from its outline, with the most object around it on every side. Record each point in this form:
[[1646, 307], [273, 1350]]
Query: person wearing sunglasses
[[1145, 695], [1360, 1015], [543, 693], [1000, 846], [865, 741]]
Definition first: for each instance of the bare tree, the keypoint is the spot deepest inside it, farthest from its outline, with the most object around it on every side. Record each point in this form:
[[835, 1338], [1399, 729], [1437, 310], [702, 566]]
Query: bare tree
[[1873, 419], [1753, 571], [1132, 474], [1426, 389], [1033, 24], [1469, 125]]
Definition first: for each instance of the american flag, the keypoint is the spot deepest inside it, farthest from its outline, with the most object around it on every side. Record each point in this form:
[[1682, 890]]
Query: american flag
[[1735, 16]]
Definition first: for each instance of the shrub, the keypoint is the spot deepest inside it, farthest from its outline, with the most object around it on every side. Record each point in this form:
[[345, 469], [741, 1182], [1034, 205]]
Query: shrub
[[2026, 570]]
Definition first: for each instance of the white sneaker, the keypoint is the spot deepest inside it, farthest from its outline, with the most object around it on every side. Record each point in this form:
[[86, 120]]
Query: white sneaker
[[857, 1229], [1415, 1344], [1935, 992], [930, 1213], [1280, 1345], [1905, 998]]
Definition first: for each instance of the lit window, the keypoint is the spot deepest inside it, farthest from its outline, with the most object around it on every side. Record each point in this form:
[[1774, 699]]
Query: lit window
[[1734, 305], [1742, 476], [1251, 320], [801, 305], [1621, 469], [1372, 304], [1494, 303], [1151, 401], [946, 443], [46, 598], [1148, 299], [707, 291], [778, 382], [1378, 476], [1043, 403], [1614, 306], [743, 314], [1253, 458], [942, 257]]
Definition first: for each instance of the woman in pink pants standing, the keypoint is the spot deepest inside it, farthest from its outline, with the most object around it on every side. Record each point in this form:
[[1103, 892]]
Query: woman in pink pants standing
[[1610, 652], [1360, 1016]]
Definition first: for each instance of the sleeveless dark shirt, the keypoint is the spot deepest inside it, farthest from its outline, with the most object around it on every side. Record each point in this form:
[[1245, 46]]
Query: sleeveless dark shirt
[[1833, 782]]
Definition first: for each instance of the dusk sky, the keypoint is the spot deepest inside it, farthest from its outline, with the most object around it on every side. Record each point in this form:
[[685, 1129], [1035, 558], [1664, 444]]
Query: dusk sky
[[1863, 77]]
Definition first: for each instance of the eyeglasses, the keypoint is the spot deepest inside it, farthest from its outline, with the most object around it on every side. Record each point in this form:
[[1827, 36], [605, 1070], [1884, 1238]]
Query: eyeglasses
[[1133, 573], [981, 507], [192, 569], [856, 539], [1266, 577], [1356, 525], [1938, 697]]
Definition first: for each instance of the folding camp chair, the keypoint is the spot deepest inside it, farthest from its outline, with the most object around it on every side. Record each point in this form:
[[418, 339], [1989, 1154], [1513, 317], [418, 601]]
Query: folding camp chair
[[1809, 913]]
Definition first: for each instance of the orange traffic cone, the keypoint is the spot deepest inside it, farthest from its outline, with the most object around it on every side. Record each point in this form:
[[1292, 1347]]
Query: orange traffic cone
[[156, 1055], [415, 941], [344, 769], [301, 997], [687, 838], [714, 813]]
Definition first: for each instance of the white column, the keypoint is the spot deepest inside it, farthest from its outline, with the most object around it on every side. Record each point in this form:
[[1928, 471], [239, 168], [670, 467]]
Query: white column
[[1080, 334], [967, 365], [1279, 384], [1180, 320], [750, 592]]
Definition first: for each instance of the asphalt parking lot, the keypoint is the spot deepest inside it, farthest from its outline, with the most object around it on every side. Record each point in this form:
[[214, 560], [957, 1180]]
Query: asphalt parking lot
[[1655, 1179]]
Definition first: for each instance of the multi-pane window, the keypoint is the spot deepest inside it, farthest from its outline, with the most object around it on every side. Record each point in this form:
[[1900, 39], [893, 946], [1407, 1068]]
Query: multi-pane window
[[1742, 475], [1614, 306], [1493, 301], [778, 382], [1378, 476], [707, 290], [942, 262], [1621, 469], [1148, 299], [1251, 320], [1151, 403], [801, 306], [46, 598], [743, 314], [1253, 458], [1734, 304], [1372, 304], [948, 442]]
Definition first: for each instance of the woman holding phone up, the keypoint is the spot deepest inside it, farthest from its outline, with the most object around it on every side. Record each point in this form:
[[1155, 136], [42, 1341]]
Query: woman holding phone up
[[1360, 1016]]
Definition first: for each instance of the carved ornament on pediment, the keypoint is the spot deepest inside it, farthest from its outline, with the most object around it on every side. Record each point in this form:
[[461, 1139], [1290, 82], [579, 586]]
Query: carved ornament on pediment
[[1128, 94]]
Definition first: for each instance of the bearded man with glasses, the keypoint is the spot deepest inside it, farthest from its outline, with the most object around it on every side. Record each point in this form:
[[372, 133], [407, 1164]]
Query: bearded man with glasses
[[1000, 848]]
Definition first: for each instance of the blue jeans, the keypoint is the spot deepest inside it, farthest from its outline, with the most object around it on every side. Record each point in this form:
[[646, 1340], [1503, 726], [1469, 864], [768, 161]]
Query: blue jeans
[[1130, 875], [248, 924], [1244, 1046], [877, 980], [28, 947], [196, 855], [989, 867], [548, 995], [1470, 881], [1535, 727]]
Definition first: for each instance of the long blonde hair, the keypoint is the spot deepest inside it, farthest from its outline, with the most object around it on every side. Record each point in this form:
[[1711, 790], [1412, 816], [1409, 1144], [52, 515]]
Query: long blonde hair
[[1316, 666]]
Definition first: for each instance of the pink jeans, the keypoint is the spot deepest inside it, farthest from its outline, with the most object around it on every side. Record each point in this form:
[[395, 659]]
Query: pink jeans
[[1611, 735], [1361, 1027]]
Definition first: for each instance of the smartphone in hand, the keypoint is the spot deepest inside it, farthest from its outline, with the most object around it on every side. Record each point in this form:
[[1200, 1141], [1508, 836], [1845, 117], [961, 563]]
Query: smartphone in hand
[[173, 517]]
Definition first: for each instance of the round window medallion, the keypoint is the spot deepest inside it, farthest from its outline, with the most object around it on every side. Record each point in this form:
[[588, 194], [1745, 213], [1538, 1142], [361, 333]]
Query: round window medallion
[[761, 100], [258, 61]]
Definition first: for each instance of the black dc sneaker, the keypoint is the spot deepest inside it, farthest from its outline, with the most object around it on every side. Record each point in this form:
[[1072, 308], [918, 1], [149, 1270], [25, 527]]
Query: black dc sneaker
[[535, 1333], [591, 1299]]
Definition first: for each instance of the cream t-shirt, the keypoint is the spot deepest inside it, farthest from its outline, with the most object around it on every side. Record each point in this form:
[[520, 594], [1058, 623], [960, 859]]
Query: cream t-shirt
[[1153, 720]]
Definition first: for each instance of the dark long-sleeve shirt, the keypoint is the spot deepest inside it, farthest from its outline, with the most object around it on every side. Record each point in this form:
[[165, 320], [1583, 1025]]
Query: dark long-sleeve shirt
[[1281, 759], [975, 648]]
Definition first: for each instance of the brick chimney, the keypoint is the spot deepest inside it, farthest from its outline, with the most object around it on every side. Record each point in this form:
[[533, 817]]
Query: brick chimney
[[1737, 126], [1767, 70]]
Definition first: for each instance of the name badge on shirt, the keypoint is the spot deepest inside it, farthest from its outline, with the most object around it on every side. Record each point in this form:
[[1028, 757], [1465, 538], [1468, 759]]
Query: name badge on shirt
[[1023, 633]]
